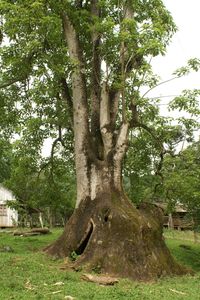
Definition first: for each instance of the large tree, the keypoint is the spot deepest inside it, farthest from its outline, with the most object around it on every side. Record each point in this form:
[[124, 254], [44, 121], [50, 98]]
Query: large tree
[[81, 65]]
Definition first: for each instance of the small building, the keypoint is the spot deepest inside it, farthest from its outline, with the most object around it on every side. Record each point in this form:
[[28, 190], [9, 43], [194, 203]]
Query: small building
[[178, 219], [8, 216]]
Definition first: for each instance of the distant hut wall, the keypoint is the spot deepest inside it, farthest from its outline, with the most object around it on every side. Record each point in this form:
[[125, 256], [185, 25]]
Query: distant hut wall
[[178, 220], [8, 216]]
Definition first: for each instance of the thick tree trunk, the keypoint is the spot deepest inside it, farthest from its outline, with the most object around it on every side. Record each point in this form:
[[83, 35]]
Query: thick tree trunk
[[111, 236], [106, 231]]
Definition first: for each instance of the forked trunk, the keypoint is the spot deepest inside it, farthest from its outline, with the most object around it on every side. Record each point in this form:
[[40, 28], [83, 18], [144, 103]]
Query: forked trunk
[[106, 231], [110, 236]]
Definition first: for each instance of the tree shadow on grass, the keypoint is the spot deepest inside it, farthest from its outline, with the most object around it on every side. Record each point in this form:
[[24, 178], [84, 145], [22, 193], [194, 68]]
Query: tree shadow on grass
[[186, 253]]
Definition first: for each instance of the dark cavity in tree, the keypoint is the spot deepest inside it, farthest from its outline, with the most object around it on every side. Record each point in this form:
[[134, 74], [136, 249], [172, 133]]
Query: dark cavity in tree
[[106, 218], [81, 248]]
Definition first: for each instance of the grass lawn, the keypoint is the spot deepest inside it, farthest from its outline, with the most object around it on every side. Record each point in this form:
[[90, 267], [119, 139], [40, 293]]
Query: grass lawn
[[27, 274]]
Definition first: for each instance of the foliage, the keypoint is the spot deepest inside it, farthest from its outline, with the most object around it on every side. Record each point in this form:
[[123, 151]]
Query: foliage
[[143, 166], [36, 59], [41, 184], [182, 180], [5, 159]]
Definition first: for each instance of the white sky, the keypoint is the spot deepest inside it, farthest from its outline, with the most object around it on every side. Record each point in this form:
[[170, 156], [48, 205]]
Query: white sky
[[185, 45]]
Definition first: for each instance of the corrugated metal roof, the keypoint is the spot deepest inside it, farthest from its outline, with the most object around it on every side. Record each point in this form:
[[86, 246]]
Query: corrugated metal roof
[[178, 208]]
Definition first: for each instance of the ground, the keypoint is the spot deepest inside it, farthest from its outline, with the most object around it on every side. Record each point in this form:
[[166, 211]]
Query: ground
[[27, 273]]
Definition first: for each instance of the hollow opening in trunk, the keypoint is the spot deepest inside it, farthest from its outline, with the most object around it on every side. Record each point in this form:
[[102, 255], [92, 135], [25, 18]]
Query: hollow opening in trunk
[[106, 219], [84, 242]]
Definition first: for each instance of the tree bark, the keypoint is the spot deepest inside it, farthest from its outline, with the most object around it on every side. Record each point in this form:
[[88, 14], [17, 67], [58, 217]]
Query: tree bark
[[80, 111], [110, 236]]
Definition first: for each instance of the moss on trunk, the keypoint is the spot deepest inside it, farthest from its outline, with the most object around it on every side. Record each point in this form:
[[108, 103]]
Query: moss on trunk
[[112, 237]]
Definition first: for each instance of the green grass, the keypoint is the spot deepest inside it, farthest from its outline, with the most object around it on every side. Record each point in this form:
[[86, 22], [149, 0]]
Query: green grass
[[27, 273]]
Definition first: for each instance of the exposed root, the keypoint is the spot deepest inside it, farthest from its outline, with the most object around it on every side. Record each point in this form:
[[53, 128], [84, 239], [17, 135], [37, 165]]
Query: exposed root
[[114, 238]]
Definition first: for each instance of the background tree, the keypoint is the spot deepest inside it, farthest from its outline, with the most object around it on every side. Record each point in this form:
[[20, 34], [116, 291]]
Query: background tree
[[5, 159], [182, 181], [143, 165], [43, 187]]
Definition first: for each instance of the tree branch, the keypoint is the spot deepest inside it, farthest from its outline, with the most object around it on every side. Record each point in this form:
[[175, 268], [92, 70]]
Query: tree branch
[[95, 80], [119, 152], [82, 136], [163, 82], [51, 160], [128, 62], [159, 173], [114, 96], [121, 143], [79, 90], [57, 140], [26, 62], [105, 119], [150, 131], [11, 82], [66, 96]]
